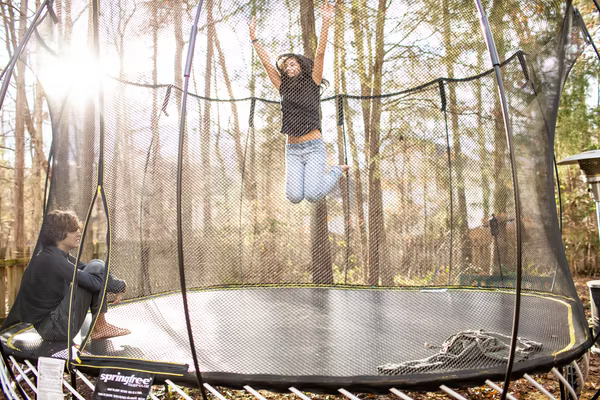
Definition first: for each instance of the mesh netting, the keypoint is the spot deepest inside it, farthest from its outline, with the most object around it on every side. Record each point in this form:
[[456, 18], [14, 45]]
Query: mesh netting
[[428, 201]]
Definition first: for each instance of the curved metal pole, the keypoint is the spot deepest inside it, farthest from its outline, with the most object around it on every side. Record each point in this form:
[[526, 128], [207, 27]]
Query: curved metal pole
[[489, 39], [186, 74], [13, 61]]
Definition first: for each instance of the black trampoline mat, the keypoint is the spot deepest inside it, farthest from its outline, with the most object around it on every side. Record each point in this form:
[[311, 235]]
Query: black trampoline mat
[[312, 331]]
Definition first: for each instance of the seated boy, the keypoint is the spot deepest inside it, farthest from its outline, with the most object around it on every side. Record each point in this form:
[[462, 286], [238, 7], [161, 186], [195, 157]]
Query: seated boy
[[44, 296]]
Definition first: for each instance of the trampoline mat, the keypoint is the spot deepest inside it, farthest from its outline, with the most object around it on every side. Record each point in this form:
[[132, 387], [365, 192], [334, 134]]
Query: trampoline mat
[[316, 331]]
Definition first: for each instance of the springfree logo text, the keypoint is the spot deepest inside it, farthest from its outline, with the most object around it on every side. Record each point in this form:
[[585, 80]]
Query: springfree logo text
[[127, 380]]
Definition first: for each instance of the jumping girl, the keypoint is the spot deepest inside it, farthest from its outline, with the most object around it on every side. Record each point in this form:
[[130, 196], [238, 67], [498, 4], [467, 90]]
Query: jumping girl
[[299, 81]]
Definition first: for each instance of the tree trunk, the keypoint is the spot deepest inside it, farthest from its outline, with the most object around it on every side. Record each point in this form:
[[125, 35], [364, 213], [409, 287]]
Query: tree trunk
[[307, 21], [18, 194], [463, 222], [365, 82], [376, 223], [358, 187], [151, 188], [39, 163], [483, 154], [338, 70], [68, 22], [237, 134], [501, 174], [322, 272], [205, 132]]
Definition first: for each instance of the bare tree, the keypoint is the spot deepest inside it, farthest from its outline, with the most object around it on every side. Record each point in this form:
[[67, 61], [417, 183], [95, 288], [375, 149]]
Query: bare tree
[[376, 223], [205, 130], [18, 194], [322, 271], [339, 67], [237, 134], [462, 216]]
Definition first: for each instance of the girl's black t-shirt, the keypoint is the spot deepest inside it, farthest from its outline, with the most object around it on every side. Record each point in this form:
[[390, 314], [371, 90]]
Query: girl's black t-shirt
[[300, 105]]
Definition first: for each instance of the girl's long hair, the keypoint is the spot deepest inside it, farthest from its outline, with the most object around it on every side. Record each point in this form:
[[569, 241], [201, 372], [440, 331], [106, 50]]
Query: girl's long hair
[[306, 65]]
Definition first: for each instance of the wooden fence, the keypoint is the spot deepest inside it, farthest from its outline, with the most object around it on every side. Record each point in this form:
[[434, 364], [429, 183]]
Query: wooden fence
[[12, 265]]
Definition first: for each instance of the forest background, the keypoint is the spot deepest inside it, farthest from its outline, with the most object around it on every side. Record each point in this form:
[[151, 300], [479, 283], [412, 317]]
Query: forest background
[[25, 136]]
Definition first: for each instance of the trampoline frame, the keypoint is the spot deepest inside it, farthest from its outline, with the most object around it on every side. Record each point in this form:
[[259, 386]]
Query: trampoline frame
[[178, 373]]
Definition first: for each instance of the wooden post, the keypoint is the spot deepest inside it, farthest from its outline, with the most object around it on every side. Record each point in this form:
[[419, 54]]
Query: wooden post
[[10, 267], [2, 287]]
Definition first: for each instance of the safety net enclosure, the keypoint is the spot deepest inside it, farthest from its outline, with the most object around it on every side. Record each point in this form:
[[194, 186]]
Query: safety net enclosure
[[404, 276]]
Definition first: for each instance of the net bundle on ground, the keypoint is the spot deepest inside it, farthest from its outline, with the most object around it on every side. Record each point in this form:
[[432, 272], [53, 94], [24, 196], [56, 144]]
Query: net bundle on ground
[[409, 259]]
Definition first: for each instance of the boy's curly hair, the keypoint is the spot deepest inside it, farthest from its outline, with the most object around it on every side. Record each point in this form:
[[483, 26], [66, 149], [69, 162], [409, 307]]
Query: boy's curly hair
[[56, 226]]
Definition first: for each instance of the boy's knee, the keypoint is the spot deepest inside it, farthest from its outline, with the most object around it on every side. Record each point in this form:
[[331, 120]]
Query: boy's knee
[[95, 266]]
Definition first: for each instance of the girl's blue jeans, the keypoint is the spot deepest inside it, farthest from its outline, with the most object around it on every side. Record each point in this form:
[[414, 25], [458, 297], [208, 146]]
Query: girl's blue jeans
[[306, 176]]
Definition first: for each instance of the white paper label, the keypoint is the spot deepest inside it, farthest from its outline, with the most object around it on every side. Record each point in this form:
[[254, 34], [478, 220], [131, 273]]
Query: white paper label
[[50, 380]]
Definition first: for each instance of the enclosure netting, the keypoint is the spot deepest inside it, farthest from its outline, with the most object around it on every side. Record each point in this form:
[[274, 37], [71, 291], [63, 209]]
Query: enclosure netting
[[406, 233]]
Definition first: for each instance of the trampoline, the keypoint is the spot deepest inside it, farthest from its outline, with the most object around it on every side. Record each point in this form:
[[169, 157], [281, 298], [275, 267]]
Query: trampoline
[[445, 227], [321, 338]]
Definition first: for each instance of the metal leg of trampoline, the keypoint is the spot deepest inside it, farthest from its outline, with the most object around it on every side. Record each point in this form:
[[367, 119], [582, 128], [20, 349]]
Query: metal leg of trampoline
[[452, 393], [539, 387], [8, 383], [7, 388], [4, 379], [254, 392], [299, 393], [565, 382], [499, 389], [23, 375], [178, 390], [579, 374], [400, 394], [214, 391], [348, 394], [16, 369], [65, 384]]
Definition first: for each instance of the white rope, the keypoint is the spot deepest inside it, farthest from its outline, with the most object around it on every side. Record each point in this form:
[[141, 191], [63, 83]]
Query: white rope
[[499, 389], [299, 393], [348, 394], [69, 387], [214, 391], [452, 393], [254, 392], [23, 375], [564, 381], [579, 374], [539, 387], [400, 394], [178, 390]]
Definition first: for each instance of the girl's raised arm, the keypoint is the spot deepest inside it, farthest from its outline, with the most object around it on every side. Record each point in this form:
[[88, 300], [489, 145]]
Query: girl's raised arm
[[327, 11], [263, 56]]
